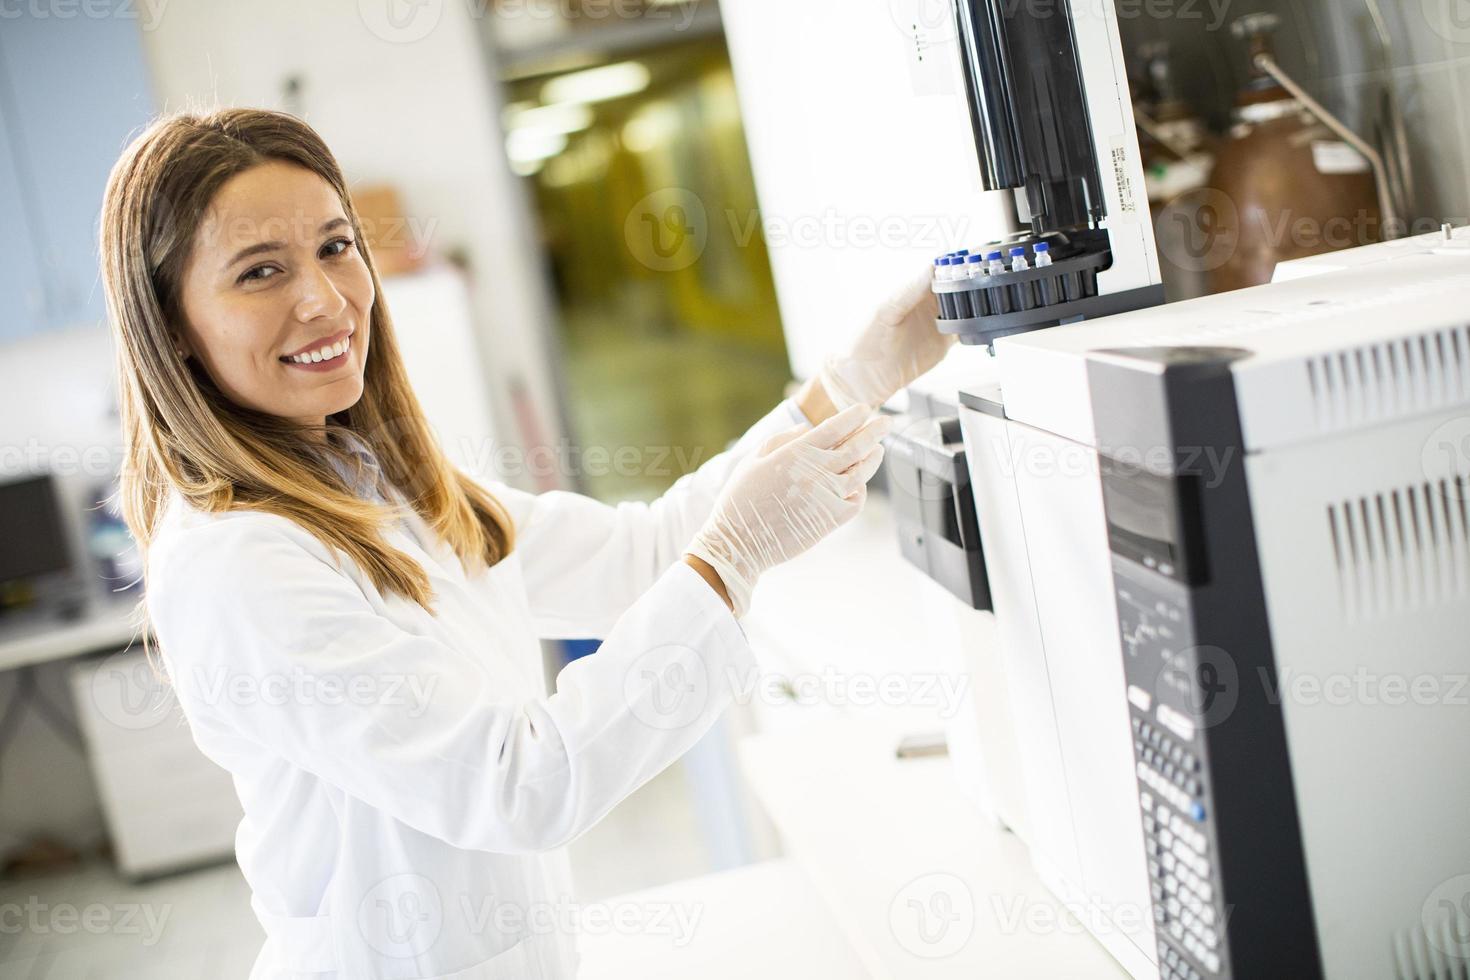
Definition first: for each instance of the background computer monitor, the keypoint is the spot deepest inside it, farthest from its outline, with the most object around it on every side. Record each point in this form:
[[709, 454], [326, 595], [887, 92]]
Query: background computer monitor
[[33, 543]]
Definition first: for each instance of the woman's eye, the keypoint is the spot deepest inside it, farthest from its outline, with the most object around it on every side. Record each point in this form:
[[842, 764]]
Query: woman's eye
[[258, 273], [332, 248]]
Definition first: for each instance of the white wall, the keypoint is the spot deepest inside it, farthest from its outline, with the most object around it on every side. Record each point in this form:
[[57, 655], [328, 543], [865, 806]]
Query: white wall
[[858, 128], [416, 106]]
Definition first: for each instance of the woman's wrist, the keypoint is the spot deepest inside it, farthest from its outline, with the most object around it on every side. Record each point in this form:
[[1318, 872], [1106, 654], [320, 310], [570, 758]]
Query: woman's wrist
[[814, 402], [707, 572]]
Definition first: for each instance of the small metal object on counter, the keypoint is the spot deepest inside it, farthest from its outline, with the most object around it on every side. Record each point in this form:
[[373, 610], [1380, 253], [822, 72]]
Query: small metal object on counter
[[922, 746]]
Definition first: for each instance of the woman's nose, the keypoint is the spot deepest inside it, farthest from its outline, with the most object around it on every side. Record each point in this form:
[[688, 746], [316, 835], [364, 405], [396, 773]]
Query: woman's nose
[[318, 295]]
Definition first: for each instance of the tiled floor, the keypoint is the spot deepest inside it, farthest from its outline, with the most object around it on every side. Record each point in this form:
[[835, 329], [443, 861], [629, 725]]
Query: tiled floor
[[92, 925]]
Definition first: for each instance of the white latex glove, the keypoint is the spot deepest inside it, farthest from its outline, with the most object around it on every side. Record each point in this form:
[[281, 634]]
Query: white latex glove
[[899, 345], [796, 489]]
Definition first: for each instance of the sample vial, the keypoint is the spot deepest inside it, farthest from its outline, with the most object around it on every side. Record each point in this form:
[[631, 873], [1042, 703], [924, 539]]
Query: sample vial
[[1018, 260], [997, 264], [976, 273], [1043, 255], [946, 300]]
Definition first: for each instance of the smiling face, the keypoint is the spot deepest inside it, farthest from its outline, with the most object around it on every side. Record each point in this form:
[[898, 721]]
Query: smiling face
[[276, 296]]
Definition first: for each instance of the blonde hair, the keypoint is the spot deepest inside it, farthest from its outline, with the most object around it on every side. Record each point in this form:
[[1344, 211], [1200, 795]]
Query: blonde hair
[[181, 433]]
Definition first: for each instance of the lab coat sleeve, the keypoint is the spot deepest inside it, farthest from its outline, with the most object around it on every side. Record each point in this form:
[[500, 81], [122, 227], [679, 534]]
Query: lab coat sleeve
[[268, 642], [586, 561]]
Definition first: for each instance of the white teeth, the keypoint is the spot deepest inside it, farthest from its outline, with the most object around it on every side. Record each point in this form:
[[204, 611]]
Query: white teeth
[[325, 354]]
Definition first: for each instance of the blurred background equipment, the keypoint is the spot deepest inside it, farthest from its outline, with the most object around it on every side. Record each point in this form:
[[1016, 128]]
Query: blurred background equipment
[[1377, 82], [633, 153], [1288, 186]]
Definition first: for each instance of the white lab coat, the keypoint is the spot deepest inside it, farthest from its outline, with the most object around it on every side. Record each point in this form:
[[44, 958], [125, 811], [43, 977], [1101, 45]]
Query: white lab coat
[[407, 783]]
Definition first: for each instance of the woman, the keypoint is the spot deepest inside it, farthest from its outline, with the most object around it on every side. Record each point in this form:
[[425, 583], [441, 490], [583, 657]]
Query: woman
[[351, 623]]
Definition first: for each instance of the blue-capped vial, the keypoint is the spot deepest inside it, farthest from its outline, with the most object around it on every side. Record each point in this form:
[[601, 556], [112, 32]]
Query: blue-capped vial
[[1043, 255], [974, 266], [997, 263], [1018, 260]]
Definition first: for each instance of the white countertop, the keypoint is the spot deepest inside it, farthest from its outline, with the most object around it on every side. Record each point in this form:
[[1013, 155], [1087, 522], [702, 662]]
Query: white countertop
[[105, 624], [919, 882]]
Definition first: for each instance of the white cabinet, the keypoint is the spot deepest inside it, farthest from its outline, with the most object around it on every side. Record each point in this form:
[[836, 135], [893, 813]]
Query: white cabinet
[[166, 805]]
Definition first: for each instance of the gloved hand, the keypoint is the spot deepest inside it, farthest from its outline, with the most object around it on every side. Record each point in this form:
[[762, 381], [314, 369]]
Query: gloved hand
[[899, 344], [796, 489]]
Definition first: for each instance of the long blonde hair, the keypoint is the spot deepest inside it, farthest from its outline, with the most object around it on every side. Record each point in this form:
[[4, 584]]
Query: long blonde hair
[[182, 433]]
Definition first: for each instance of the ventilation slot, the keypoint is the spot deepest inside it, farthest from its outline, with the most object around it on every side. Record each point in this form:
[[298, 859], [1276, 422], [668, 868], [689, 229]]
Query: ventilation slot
[[1392, 379], [1419, 956], [1402, 550]]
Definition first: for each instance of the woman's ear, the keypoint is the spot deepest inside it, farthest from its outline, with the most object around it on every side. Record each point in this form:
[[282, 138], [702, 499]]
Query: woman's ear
[[181, 346]]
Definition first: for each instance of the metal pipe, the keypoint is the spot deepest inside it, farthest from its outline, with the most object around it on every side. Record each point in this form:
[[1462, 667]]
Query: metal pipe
[[1386, 208]]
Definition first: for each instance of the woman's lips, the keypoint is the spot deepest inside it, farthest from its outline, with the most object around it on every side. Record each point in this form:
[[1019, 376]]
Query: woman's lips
[[327, 357]]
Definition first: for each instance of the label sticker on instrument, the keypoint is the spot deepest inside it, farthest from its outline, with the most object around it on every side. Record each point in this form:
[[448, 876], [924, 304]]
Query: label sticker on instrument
[[1122, 174]]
